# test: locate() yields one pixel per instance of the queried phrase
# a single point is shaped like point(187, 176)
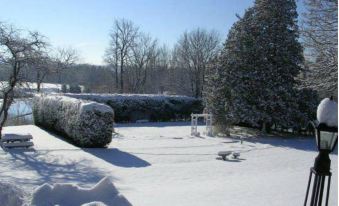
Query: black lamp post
point(326, 138)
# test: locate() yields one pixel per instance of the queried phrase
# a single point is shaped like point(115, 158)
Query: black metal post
point(318, 187)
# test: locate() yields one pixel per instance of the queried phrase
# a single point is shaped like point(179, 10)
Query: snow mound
point(103, 193)
point(11, 195)
point(327, 112)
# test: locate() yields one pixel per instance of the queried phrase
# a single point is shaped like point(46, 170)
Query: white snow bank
point(103, 193)
point(327, 112)
point(11, 195)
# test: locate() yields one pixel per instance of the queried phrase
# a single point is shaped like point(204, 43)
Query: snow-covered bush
point(85, 123)
point(132, 107)
point(74, 88)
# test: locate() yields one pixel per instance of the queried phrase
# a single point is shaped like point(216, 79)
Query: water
point(18, 108)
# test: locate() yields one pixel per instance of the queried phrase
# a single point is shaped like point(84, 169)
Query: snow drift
point(103, 193)
point(11, 195)
point(85, 123)
point(132, 107)
point(327, 112)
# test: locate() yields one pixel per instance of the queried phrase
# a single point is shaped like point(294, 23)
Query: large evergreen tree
point(262, 57)
point(281, 58)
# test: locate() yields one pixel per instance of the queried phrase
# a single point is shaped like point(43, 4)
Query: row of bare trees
point(140, 65)
point(50, 62)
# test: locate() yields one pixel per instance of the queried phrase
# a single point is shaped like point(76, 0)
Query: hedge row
point(132, 107)
point(85, 123)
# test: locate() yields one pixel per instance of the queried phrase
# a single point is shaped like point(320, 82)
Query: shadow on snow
point(306, 144)
point(117, 157)
point(52, 168)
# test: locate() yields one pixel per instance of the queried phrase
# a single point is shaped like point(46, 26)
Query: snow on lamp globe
point(326, 133)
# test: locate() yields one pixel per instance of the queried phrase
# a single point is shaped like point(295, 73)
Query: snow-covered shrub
point(103, 193)
point(132, 107)
point(74, 88)
point(85, 123)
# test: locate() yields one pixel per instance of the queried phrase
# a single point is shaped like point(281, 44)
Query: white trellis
point(194, 124)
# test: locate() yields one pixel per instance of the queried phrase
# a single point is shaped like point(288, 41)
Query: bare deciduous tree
point(123, 37)
point(320, 39)
point(63, 59)
point(194, 51)
point(17, 51)
point(41, 67)
point(142, 60)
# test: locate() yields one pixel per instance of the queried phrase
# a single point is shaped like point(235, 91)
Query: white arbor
point(194, 124)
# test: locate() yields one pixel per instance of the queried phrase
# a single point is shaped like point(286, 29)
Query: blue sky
point(85, 24)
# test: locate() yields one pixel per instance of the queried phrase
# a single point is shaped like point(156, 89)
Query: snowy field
point(161, 164)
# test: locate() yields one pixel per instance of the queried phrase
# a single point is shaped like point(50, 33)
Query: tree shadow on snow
point(117, 157)
point(306, 144)
point(110, 155)
point(51, 168)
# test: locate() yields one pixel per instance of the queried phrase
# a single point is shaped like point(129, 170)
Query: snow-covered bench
point(224, 154)
point(16, 140)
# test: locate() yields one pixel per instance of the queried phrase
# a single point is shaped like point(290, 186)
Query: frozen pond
point(19, 108)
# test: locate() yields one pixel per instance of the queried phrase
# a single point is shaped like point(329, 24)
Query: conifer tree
point(217, 97)
point(261, 58)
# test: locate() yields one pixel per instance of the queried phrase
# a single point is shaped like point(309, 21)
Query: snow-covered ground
point(161, 164)
point(44, 87)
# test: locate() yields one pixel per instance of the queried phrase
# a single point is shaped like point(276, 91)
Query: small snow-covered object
point(236, 155)
point(224, 154)
point(327, 112)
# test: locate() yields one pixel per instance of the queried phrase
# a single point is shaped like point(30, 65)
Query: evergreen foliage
point(74, 88)
point(64, 88)
point(217, 97)
point(133, 107)
point(258, 67)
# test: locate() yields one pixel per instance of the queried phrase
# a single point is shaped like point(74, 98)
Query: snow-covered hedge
point(85, 123)
point(132, 107)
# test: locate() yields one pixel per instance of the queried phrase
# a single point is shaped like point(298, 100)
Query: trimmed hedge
point(85, 123)
point(132, 107)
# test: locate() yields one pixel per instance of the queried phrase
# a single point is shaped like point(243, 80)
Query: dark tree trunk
point(122, 76)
